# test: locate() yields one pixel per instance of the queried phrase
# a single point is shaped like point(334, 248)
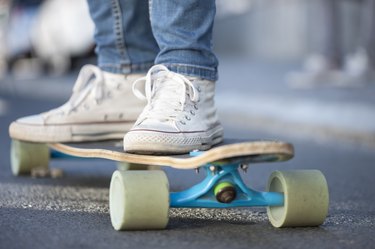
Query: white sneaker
point(180, 115)
point(101, 107)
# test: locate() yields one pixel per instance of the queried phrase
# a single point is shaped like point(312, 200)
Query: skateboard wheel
point(26, 156)
point(306, 198)
point(134, 166)
point(139, 200)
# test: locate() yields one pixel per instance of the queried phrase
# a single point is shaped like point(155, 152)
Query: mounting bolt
point(213, 169)
point(244, 167)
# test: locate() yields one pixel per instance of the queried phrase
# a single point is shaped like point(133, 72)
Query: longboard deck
point(229, 151)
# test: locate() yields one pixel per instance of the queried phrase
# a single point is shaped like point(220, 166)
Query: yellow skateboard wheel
point(139, 200)
point(26, 156)
point(306, 198)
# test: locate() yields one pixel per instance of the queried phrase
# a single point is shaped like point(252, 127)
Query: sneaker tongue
point(167, 103)
point(113, 79)
point(167, 89)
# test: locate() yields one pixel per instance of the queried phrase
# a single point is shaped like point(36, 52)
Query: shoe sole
point(69, 132)
point(156, 143)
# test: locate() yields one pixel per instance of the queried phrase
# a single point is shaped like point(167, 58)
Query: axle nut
point(225, 192)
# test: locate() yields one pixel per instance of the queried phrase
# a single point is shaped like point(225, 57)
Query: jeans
point(133, 35)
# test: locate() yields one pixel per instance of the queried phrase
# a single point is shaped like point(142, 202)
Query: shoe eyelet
point(192, 112)
point(199, 89)
point(182, 122)
point(195, 107)
point(188, 118)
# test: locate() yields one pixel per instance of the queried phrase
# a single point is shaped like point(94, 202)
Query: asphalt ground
point(72, 212)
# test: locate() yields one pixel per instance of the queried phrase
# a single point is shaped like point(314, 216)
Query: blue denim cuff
point(126, 68)
point(206, 73)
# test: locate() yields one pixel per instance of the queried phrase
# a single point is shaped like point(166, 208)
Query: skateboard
point(140, 199)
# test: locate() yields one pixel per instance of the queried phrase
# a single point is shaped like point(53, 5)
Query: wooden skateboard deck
point(230, 150)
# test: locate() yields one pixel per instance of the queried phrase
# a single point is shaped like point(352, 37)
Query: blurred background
point(49, 35)
point(291, 66)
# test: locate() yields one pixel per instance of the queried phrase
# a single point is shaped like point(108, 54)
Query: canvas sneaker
point(180, 115)
point(101, 107)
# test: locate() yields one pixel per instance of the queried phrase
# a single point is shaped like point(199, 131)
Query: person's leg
point(183, 31)
point(324, 64)
point(123, 36)
point(329, 39)
point(360, 66)
point(367, 34)
point(102, 105)
point(180, 115)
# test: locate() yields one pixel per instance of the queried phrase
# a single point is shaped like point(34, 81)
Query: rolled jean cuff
point(126, 68)
point(206, 73)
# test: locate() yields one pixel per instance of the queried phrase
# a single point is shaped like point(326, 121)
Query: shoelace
point(90, 79)
point(166, 93)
